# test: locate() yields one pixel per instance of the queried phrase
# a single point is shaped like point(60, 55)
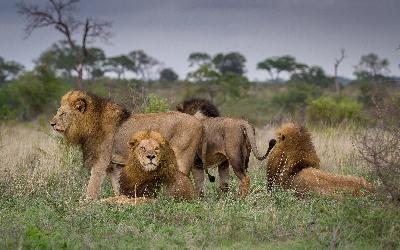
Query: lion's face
point(147, 149)
point(70, 114)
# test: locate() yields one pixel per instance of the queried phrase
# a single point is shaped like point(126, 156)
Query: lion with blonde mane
point(151, 166)
point(293, 163)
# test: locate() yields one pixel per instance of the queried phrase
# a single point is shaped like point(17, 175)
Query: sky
point(313, 31)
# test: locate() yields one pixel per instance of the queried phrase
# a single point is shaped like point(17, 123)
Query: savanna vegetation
point(354, 123)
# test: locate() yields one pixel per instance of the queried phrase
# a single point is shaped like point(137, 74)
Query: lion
point(102, 129)
point(151, 165)
point(228, 141)
point(293, 163)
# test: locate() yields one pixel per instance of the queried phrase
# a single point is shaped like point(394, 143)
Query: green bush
point(330, 111)
point(155, 104)
point(296, 97)
point(32, 94)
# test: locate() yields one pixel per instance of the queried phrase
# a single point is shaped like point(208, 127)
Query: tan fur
point(231, 140)
point(324, 183)
point(102, 128)
point(294, 164)
point(293, 151)
point(137, 181)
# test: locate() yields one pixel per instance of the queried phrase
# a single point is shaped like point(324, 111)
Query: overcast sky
point(313, 31)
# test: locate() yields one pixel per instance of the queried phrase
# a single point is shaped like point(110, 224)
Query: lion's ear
point(80, 105)
point(179, 107)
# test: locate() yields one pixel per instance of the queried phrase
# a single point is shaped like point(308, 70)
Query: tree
point(118, 64)
point(313, 75)
point(275, 65)
point(233, 62)
point(59, 14)
point(199, 59)
point(338, 61)
point(61, 59)
point(9, 70)
point(372, 67)
point(142, 64)
point(168, 75)
point(95, 62)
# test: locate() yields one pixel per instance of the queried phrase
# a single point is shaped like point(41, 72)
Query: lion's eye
point(142, 148)
point(157, 149)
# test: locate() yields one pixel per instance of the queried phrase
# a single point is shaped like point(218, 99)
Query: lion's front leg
point(97, 175)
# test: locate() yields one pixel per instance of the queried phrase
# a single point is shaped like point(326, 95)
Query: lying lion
point(294, 164)
point(151, 166)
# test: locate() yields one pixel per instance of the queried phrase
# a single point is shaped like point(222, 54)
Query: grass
point(42, 181)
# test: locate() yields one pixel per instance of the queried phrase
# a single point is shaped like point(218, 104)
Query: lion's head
point(81, 115)
point(291, 135)
point(147, 147)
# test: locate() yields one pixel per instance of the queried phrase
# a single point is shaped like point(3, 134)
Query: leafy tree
point(168, 75)
point(372, 67)
point(199, 59)
point(275, 65)
point(118, 64)
point(9, 70)
point(314, 75)
point(61, 59)
point(94, 62)
point(142, 64)
point(233, 62)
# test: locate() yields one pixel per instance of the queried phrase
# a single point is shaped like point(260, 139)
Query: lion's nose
point(151, 157)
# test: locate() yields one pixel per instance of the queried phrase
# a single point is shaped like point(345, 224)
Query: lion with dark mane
point(293, 163)
point(228, 141)
point(102, 129)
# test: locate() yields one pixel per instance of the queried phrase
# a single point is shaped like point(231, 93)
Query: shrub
point(379, 146)
point(154, 103)
point(296, 97)
point(330, 111)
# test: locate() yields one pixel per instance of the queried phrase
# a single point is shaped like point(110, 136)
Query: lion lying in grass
point(152, 166)
point(294, 164)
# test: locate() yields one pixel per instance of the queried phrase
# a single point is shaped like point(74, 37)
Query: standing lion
point(151, 166)
point(102, 129)
point(228, 141)
point(293, 163)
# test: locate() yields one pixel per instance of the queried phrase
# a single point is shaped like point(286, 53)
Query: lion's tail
point(250, 134)
point(211, 178)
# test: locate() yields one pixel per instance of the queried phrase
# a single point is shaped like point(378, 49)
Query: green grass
point(52, 219)
point(41, 207)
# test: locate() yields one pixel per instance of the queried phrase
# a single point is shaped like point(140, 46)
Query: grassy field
point(42, 181)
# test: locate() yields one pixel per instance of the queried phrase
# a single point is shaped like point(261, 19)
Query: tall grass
point(42, 180)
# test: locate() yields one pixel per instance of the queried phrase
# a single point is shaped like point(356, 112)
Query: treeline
point(307, 93)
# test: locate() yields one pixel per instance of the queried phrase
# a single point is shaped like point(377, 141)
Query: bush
point(30, 95)
point(155, 104)
point(296, 97)
point(330, 111)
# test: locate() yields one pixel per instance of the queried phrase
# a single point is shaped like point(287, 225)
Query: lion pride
point(102, 129)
